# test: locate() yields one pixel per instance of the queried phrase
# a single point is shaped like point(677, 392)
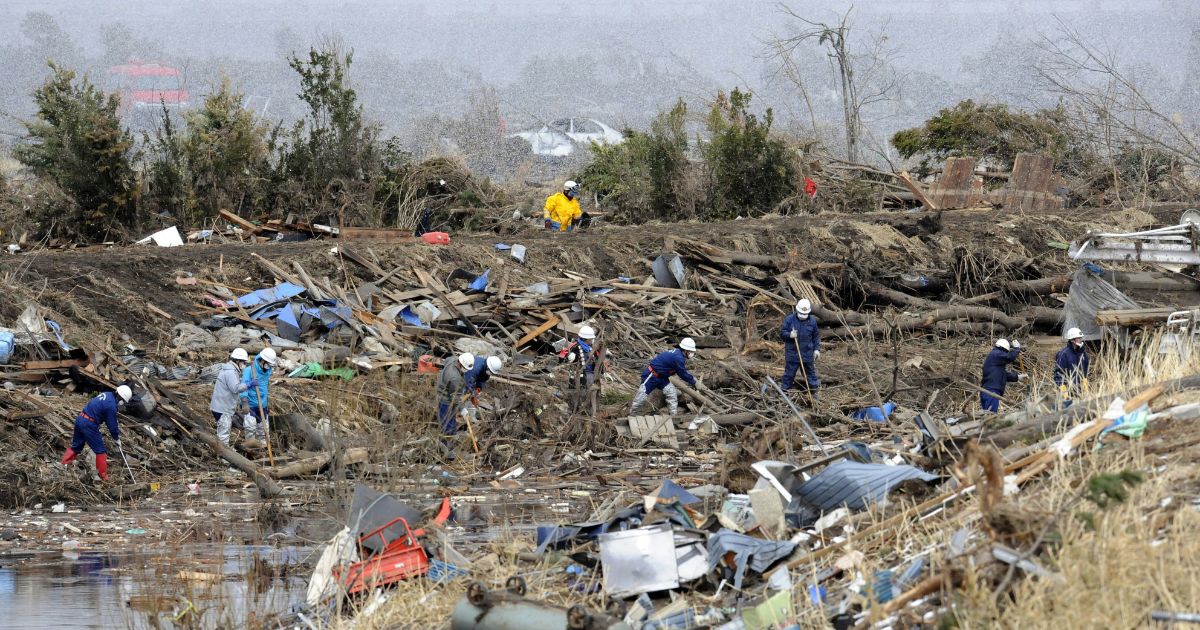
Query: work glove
point(1021, 377)
point(547, 224)
point(793, 334)
point(1085, 385)
point(571, 358)
point(1016, 345)
point(253, 384)
point(1062, 391)
point(816, 354)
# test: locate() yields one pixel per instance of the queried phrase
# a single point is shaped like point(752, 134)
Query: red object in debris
point(400, 559)
point(810, 188)
point(425, 365)
point(436, 238)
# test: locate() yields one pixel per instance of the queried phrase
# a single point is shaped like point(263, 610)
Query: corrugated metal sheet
point(851, 484)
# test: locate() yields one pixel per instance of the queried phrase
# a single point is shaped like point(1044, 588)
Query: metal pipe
point(811, 433)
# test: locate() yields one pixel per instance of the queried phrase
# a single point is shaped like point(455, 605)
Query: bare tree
point(864, 79)
point(1113, 108)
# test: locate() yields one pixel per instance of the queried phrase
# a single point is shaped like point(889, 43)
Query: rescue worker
point(658, 373)
point(477, 377)
point(451, 385)
point(996, 375)
point(584, 349)
point(257, 378)
point(801, 346)
point(101, 410)
point(1071, 366)
point(479, 374)
point(227, 392)
point(562, 209)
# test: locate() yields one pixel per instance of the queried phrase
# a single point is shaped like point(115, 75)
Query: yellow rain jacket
point(561, 210)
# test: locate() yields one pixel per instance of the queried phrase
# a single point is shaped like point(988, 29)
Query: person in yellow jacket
point(562, 209)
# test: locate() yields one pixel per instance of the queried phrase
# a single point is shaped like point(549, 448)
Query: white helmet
point(239, 354)
point(570, 185)
point(688, 344)
point(466, 360)
point(124, 392)
point(494, 364)
point(587, 332)
point(1003, 344)
point(1074, 333)
point(804, 307)
point(267, 355)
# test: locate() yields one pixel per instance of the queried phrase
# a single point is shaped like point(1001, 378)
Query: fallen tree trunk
point(267, 488)
point(734, 419)
point(314, 440)
point(1048, 424)
point(986, 320)
point(942, 311)
point(313, 465)
point(686, 390)
point(1040, 286)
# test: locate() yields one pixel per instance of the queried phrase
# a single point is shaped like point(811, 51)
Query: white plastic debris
point(169, 237)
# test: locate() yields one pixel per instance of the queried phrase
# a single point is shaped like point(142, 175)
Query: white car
point(561, 137)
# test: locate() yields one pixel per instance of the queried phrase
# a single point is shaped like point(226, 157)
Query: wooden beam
point(1138, 316)
point(537, 332)
point(916, 191)
point(377, 235)
point(239, 221)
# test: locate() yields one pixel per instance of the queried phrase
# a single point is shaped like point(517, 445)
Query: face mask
point(802, 315)
point(570, 194)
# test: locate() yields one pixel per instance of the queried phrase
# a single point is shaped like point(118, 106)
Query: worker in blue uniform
point(801, 347)
point(658, 373)
point(100, 411)
point(996, 375)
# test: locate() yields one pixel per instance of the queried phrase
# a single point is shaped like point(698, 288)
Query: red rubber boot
point(69, 456)
point(102, 466)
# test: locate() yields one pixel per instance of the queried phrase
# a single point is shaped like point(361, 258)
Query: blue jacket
point(807, 335)
point(996, 374)
point(478, 375)
point(1070, 365)
point(103, 410)
point(668, 364)
point(255, 394)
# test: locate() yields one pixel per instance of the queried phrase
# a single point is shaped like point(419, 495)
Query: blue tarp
point(276, 293)
point(875, 414)
point(480, 282)
point(411, 318)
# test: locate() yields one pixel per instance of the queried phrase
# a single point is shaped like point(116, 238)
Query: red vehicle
point(147, 85)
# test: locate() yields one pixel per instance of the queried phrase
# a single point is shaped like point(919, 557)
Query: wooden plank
point(377, 235)
point(51, 365)
point(239, 221)
point(1137, 316)
point(955, 187)
point(537, 332)
point(916, 191)
point(660, 429)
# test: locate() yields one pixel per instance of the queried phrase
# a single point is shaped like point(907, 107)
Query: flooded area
point(198, 585)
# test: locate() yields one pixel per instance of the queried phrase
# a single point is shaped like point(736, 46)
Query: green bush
point(986, 131)
point(79, 145)
point(643, 177)
point(329, 160)
point(751, 171)
point(221, 160)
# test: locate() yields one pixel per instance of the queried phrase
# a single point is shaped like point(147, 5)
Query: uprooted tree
point(80, 146)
